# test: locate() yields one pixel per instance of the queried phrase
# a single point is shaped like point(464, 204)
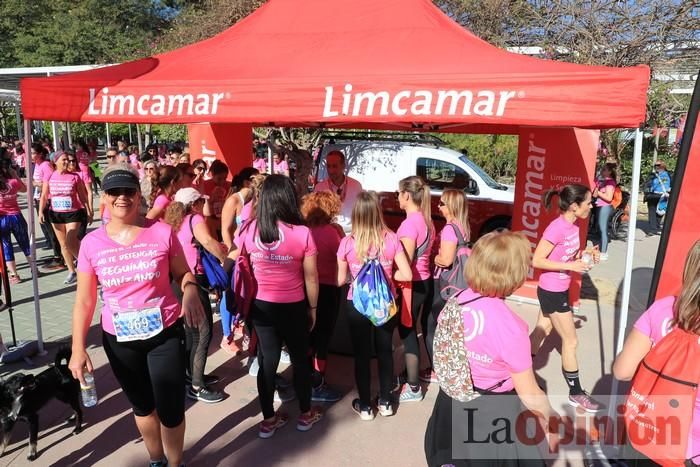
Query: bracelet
point(189, 283)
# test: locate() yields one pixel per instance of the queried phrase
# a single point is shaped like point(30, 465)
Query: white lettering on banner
point(104, 103)
point(532, 205)
point(486, 103)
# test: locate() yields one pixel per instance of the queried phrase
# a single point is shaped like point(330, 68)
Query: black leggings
point(326, 316)
point(151, 373)
point(361, 330)
point(49, 234)
point(197, 340)
point(275, 323)
point(421, 298)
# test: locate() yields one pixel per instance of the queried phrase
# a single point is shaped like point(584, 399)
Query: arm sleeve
point(408, 230)
point(447, 234)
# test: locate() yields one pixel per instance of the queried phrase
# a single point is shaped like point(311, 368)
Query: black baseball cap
point(120, 179)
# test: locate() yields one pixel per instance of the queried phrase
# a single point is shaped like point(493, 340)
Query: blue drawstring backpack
point(216, 275)
point(372, 295)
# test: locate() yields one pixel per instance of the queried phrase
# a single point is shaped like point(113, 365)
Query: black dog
point(22, 396)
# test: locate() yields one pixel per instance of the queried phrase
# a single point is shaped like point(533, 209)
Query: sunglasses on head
point(128, 192)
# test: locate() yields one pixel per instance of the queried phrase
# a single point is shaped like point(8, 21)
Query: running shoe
point(323, 393)
point(267, 429)
point(205, 394)
point(71, 278)
point(385, 408)
point(54, 265)
point(161, 463)
point(282, 395)
point(428, 376)
point(306, 421)
point(365, 412)
point(603, 256)
point(408, 395)
point(253, 366)
point(284, 357)
point(586, 403)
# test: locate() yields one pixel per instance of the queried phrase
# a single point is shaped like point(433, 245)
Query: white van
point(379, 165)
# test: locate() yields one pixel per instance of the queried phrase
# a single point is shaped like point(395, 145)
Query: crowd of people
point(161, 216)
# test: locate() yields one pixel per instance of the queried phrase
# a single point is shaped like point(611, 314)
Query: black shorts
point(553, 302)
point(151, 373)
point(67, 217)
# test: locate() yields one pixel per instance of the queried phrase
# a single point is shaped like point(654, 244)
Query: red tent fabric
point(394, 64)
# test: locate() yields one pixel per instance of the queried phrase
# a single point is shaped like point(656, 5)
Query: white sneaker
point(603, 256)
point(71, 278)
point(284, 357)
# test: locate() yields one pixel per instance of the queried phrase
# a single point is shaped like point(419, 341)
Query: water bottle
point(587, 259)
point(88, 393)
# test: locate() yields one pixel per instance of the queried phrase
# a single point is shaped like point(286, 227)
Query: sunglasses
point(441, 203)
point(72, 161)
point(111, 157)
point(200, 167)
point(116, 192)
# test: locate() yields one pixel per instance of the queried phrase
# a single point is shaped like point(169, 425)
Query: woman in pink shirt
point(417, 234)
point(604, 192)
point(86, 177)
point(279, 164)
point(371, 238)
point(664, 315)
point(41, 171)
point(495, 348)
point(558, 254)
point(184, 215)
point(11, 219)
point(320, 210)
point(135, 261)
point(167, 184)
point(64, 193)
point(283, 257)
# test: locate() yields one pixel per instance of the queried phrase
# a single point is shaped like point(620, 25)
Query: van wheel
point(496, 224)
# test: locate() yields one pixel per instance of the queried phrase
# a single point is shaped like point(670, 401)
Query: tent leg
point(131, 136)
point(108, 144)
point(32, 236)
point(627, 279)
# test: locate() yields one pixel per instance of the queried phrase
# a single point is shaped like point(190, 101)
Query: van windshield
point(484, 176)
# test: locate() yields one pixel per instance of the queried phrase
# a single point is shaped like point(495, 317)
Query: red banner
point(231, 143)
point(550, 158)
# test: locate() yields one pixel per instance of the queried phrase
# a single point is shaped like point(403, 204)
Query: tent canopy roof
point(394, 64)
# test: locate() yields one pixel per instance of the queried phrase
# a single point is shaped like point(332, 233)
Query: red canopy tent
point(389, 64)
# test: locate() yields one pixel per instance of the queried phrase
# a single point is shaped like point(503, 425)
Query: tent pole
point(138, 136)
point(131, 136)
point(54, 129)
point(32, 236)
point(627, 278)
point(108, 144)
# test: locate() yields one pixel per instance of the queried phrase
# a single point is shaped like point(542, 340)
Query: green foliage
point(66, 32)
point(496, 154)
point(170, 133)
point(666, 153)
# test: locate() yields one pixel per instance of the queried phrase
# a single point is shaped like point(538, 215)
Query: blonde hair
point(498, 264)
point(174, 215)
point(368, 225)
point(458, 205)
point(686, 309)
point(420, 195)
point(320, 208)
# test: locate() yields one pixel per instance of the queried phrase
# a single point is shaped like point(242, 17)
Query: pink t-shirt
point(246, 212)
point(280, 168)
point(161, 202)
point(392, 245)
point(217, 196)
point(602, 183)
point(260, 164)
point(414, 228)
point(8, 198)
point(63, 191)
point(133, 277)
point(185, 236)
point(42, 172)
point(496, 339)
point(565, 238)
point(655, 323)
point(278, 266)
point(327, 239)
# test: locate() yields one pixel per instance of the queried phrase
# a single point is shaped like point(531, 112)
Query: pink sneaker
point(586, 403)
point(267, 429)
point(229, 346)
point(306, 421)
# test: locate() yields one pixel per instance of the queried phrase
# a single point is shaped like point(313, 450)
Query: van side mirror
point(472, 187)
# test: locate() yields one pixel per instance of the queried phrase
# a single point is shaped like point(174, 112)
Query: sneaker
point(284, 357)
point(586, 403)
point(428, 376)
point(229, 346)
point(306, 421)
point(54, 265)
point(205, 394)
point(209, 380)
point(365, 413)
point(267, 429)
point(284, 396)
point(408, 395)
point(71, 278)
point(281, 382)
point(603, 256)
point(161, 463)
point(385, 408)
point(323, 393)
point(253, 366)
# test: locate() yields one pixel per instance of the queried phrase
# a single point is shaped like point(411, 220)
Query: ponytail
point(420, 195)
point(568, 195)
point(547, 197)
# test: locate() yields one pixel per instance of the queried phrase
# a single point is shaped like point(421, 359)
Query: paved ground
point(225, 433)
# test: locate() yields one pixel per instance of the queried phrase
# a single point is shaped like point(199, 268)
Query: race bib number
point(61, 203)
point(137, 325)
